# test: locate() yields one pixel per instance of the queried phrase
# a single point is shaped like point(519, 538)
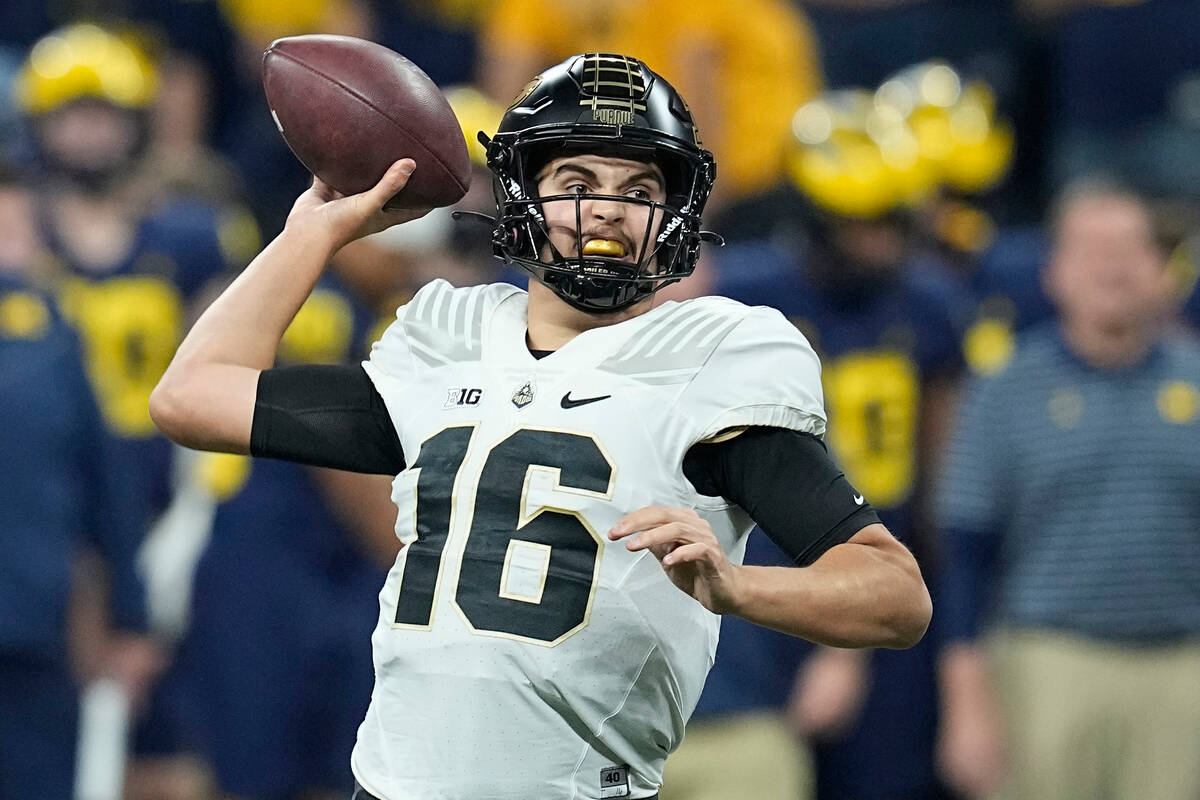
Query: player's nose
point(611, 211)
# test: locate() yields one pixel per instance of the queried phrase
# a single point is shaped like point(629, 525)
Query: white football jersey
point(519, 653)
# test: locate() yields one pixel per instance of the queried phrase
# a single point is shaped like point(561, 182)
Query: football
point(349, 108)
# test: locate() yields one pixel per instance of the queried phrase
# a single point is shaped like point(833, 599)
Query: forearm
point(867, 592)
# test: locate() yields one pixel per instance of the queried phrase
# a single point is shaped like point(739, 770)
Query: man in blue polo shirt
point(1071, 513)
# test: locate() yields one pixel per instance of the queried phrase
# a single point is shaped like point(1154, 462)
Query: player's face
point(1106, 270)
point(90, 135)
point(609, 226)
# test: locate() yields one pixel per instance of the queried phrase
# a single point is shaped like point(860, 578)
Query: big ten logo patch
point(457, 398)
point(614, 782)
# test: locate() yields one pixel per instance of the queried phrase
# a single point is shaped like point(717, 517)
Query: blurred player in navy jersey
point(885, 327)
point(576, 467)
point(124, 269)
point(64, 488)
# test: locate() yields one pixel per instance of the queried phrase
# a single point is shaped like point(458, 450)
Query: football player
point(577, 466)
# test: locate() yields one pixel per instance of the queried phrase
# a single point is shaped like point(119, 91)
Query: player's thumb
point(394, 180)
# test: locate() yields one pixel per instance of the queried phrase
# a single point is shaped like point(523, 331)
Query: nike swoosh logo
point(859, 499)
point(568, 402)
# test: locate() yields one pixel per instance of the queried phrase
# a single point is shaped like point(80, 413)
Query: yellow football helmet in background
point(86, 61)
point(864, 154)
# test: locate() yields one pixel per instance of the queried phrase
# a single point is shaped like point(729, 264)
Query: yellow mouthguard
point(604, 247)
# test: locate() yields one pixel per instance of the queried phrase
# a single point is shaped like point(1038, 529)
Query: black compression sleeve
point(324, 416)
point(788, 483)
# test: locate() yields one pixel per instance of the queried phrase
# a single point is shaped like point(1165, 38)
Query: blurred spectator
point(738, 743)
point(885, 330)
point(125, 264)
point(746, 65)
point(274, 673)
point(179, 163)
point(64, 488)
point(1070, 509)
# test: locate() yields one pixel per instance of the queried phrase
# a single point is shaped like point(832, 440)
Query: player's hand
point(348, 217)
point(688, 550)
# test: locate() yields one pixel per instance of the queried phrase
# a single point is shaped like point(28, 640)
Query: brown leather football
point(349, 108)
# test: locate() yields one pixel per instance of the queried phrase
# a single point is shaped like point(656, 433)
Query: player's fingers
point(689, 553)
point(649, 517)
point(678, 533)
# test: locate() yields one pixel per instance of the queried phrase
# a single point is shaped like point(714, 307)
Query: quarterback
point(576, 466)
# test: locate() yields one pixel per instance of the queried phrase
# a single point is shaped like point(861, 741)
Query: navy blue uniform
point(61, 486)
point(275, 672)
point(130, 317)
point(879, 344)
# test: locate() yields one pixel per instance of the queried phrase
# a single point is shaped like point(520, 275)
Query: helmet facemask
point(664, 251)
point(610, 106)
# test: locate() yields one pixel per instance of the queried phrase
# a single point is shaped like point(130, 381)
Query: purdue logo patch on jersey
point(614, 781)
point(523, 396)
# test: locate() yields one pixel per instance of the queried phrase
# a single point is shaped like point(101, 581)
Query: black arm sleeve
point(788, 483)
point(324, 416)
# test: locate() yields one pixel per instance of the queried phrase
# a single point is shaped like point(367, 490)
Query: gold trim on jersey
point(726, 435)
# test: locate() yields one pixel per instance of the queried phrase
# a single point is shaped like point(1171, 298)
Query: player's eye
point(639, 193)
point(577, 188)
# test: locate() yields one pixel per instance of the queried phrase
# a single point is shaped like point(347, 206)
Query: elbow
point(166, 408)
point(910, 618)
point(170, 409)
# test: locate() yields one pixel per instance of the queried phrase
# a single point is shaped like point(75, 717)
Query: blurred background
point(898, 177)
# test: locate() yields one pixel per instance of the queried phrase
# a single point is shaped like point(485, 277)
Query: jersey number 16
point(560, 540)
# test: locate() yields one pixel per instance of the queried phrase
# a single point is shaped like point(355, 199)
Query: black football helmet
point(604, 104)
